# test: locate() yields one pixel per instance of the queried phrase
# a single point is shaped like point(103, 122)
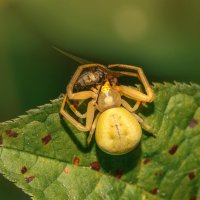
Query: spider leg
point(132, 93)
point(129, 108)
point(127, 105)
point(93, 128)
point(144, 125)
point(70, 94)
point(74, 110)
point(89, 116)
point(128, 74)
point(135, 94)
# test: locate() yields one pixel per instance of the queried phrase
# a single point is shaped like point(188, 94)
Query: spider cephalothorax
point(117, 126)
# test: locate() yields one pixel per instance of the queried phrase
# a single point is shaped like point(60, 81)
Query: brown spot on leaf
point(29, 179)
point(193, 198)
point(193, 123)
point(46, 139)
point(154, 191)
point(11, 133)
point(191, 175)
point(146, 161)
point(23, 170)
point(118, 173)
point(95, 165)
point(76, 160)
point(173, 149)
point(1, 140)
point(66, 170)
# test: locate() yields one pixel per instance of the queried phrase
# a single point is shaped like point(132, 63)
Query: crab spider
point(118, 129)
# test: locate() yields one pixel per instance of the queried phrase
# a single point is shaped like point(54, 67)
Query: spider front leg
point(89, 116)
point(93, 128)
point(135, 94)
point(127, 105)
point(130, 92)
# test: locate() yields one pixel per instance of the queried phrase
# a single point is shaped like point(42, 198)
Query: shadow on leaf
point(82, 146)
point(118, 165)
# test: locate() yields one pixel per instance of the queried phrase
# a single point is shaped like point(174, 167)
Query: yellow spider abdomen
point(117, 131)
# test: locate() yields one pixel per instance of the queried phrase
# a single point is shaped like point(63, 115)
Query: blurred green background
point(161, 36)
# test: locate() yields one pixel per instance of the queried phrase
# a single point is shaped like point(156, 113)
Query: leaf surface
point(49, 159)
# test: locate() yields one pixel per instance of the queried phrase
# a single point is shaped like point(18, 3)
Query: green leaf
point(48, 158)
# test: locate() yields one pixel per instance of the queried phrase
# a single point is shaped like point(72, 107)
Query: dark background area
point(161, 36)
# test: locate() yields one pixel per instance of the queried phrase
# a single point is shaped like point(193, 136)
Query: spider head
point(108, 97)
